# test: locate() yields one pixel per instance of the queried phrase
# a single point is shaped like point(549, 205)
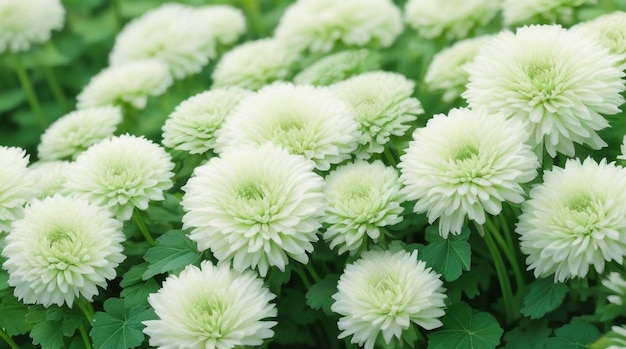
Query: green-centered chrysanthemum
point(575, 219)
point(49, 178)
point(362, 199)
point(536, 11)
point(310, 121)
point(464, 164)
point(610, 31)
point(27, 22)
point(385, 293)
point(337, 67)
point(193, 125)
point(558, 82)
point(122, 173)
point(15, 185)
point(382, 105)
point(73, 133)
point(211, 307)
point(616, 284)
point(255, 206)
point(63, 248)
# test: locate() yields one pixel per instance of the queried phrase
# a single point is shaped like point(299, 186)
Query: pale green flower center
point(209, 316)
point(465, 152)
point(251, 192)
point(542, 75)
point(386, 291)
point(62, 253)
point(581, 203)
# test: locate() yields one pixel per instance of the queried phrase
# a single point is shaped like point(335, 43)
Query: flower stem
point(303, 277)
point(86, 308)
point(389, 158)
point(141, 224)
point(30, 92)
point(83, 333)
point(53, 83)
point(508, 249)
point(251, 8)
point(8, 339)
point(313, 273)
point(503, 277)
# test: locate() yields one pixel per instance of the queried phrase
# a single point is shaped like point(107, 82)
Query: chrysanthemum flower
point(49, 178)
point(531, 11)
point(557, 82)
point(452, 19)
point(616, 338)
point(610, 31)
point(254, 64)
point(192, 126)
point(129, 83)
point(464, 164)
point(337, 67)
point(255, 206)
point(306, 120)
point(122, 173)
point(384, 293)
point(211, 307)
point(447, 71)
point(23, 23)
point(575, 219)
point(15, 185)
point(73, 133)
point(362, 198)
point(616, 283)
point(62, 249)
point(622, 156)
point(319, 25)
point(182, 36)
point(382, 105)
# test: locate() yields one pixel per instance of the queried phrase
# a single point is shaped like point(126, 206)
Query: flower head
point(382, 105)
point(575, 219)
point(616, 283)
point(384, 292)
point(558, 82)
point(50, 177)
point(73, 133)
point(362, 198)
point(610, 31)
point(255, 206)
point(616, 338)
point(254, 64)
point(622, 156)
point(62, 249)
point(452, 19)
point(211, 307)
point(23, 23)
point(337, 67)
point(129, 83)
point(193, 125)
point(122, 173)
point(15, 185)
point(224, 23)
point(533, 11)
point(319, 25)
point(306, 120)
point(464, 164)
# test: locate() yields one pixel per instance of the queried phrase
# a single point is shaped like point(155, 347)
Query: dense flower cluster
point(23, 23)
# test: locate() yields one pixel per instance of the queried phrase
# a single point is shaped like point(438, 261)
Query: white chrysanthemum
point(318, 25)
point(211, 307)
point(558, 82)
point(306, 120)
point(62, 249)
point(622, 156)
point(254, 64)
point(362, 198)
point(122, 173)
point(527, 11)
point(447, 71)
point(225, 23)
point(179, 35)
point(616, 338)
point(617, 284)
point(255, 206)
point(575, 219)
point(610, 31)
point(384, 292)
point(337, 67)
point(382, 105)
point(131, 83)
point(50, 177)
point(452, 19)
point(23, 23)
point(192, 126)
point(15, 185)
point(464, 164)
point(73, 133)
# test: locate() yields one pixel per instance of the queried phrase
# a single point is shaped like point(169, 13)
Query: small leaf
point(319, 296)
point(173, 251)
point(119, 327)
point(544, 296)
point(133, 275)
point(464, 328)
point(48, 333)
point(449, 257)
point(137, 294)
point(578, 334)
point(471, 282)
point(532, 336)
point(13, 318)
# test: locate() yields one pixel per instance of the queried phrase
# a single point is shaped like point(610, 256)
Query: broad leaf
point(449, 257)
point(173, 251)
point(119, 327)
point(464, 328)
point(544, 296)
point(13, 314)
point(578, 334)
point(319, 296)
point(531, 336)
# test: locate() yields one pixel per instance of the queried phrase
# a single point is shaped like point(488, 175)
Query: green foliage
point(173, 251)
point(319, 296)
point(13, 314)
point(450, 256)
point(544, 296)
point(578, 334)
point(119, 326)
point(53, 325)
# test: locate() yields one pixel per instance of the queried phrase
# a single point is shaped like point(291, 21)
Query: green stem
point(83, 333)
point(141, 224)
point(503, 277)
point(390, 160)
point(313, 273)
point(251, 8)
point(303, 277)
point(508, 249)
point(86, 308)
point(8, 339)
point(53, 83)
point(30, 92)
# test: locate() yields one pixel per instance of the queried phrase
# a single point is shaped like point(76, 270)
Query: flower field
point(312, 174)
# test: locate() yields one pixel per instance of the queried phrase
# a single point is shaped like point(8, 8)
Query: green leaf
point(464, 328)
point(319, 296)
point(544, 296)
point(119, 327)
point(13, 314)
point(68, 319)
point(532, 336)
point(471, 282)
point(137, 294)
point(133, 275)
point(48, 333)
point(11, 99)
point(577, 334)
point(173, 251)
point(449, 257)
point(53, 325)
